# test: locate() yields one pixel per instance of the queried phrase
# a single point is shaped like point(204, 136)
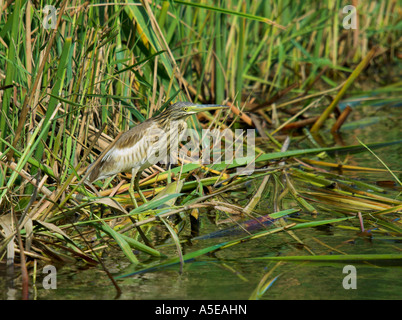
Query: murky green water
point(216, 280)
point(233, 274)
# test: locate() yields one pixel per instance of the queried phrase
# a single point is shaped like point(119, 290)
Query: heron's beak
point(205, 107)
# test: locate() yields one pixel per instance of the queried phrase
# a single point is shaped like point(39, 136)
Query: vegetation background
point(74, 78)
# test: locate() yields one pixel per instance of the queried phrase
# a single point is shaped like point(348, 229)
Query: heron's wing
point(141, 146)
point(126, 153)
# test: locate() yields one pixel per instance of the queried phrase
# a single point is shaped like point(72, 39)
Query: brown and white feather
point(134, 147)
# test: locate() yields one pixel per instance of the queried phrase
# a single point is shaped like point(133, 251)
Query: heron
point(135, 149)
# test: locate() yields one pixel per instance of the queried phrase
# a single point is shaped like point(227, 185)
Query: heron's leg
point(137, 187)
point(131, 189)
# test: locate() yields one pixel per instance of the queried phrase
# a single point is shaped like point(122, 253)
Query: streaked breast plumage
point(140, 147)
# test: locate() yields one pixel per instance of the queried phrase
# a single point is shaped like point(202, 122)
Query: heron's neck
point(166, 123)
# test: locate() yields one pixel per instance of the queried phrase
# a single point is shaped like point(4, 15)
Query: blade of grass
point(382, 162)
point(176, 242)
point(231, 12)
point(362, 65)
point(336, 258)
point(121, 241)
point(10, 72)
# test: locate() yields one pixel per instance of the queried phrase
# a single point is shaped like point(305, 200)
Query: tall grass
point(67, 92)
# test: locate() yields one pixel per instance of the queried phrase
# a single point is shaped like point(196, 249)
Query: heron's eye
point(186, 109)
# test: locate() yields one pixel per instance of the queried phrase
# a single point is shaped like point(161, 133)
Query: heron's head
point(182, 110)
